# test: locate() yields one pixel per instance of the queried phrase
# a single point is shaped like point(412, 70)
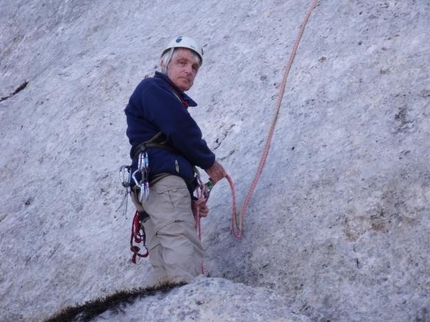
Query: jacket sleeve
point(164, 109)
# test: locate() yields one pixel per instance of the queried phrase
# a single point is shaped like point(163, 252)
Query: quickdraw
point(137, 236)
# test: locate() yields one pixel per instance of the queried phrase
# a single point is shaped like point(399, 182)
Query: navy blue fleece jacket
point(158, 105)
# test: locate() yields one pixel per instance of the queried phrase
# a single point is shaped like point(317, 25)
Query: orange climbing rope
point(237, 221)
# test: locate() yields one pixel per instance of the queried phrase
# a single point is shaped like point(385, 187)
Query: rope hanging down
point(237, 220)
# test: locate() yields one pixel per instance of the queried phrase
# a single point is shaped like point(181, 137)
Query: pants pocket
point(169, 201)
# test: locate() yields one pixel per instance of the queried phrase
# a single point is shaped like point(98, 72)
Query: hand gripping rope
point(237, 219)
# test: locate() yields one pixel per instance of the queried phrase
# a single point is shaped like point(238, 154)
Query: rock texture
point(339, 223)
point(209, 299)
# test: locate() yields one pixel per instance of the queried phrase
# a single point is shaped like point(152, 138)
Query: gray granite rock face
point(210, 299)
point(338, 225)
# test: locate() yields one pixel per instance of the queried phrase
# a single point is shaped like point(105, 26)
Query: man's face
point(183, 68)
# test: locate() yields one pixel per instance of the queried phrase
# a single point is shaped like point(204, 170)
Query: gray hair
point(168, 55)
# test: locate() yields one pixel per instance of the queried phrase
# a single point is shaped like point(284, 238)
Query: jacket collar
point(184, 96)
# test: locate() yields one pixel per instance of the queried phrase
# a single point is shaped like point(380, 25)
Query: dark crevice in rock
point(115, 303)
point(19, 89)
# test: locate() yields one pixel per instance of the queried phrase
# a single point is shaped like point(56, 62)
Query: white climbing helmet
point(185, 42)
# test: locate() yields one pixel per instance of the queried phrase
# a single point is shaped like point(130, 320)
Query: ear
point(163, 67)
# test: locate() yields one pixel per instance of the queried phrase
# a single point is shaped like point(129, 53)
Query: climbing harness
point(141, 153)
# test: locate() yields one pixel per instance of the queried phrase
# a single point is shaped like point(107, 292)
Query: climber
point(166, 146)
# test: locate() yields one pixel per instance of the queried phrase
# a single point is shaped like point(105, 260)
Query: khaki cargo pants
point(175, 251)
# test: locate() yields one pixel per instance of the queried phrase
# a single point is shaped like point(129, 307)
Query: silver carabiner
point(125, 176)
point(143, 168)
point(143, 162)
point(137, 182)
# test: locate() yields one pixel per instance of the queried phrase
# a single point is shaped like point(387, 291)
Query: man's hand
point(200, 207)
point(216, 172)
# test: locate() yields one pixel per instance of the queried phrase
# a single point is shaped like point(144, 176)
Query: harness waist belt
point(158, 141)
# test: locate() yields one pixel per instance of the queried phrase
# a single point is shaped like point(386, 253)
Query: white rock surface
point(339, 224)
point(209, 299)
